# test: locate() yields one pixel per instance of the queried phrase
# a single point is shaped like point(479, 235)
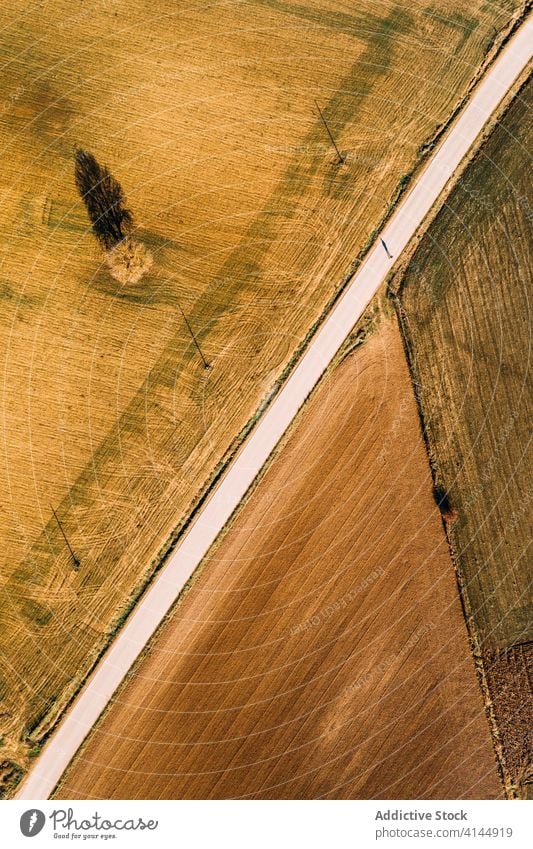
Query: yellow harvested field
point(322, 650)
point(206, 116)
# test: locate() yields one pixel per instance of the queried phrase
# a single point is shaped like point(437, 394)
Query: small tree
point(112, 223)
point(443, 502)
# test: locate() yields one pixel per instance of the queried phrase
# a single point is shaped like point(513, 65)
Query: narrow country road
point(164, 590)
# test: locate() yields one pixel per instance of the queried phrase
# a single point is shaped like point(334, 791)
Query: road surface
point(164, 590)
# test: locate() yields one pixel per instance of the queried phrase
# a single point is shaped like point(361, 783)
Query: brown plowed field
point(322, 651)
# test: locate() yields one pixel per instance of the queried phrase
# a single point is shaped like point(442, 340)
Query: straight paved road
point(148, 614)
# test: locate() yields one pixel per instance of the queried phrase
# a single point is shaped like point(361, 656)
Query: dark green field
point(466, 309)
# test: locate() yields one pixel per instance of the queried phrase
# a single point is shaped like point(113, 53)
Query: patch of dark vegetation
point(4, 690)
point(104, 198)
point(11, 775)
point(42, 709)
point(128, 260)
point(75, 495)
point(8, 293)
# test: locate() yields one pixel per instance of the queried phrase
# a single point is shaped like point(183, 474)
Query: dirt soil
point(322, 649)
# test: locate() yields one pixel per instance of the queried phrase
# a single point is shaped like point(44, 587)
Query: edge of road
point(189, 551)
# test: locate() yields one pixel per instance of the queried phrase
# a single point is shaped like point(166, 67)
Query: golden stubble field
point(206, 116)
point(322, 651)
point(466, 314)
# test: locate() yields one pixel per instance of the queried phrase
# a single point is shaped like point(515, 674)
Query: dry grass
point(206, 117)
point(466, 307)
point(322, 651)
point(129, 261)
